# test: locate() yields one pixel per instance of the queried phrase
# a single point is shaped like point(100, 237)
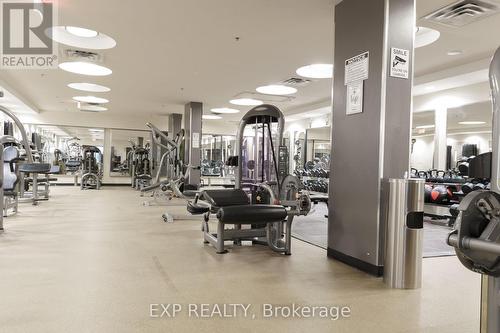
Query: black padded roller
point(226, 197)
point(247, 214)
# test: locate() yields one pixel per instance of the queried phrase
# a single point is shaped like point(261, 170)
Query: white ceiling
point(170, 52)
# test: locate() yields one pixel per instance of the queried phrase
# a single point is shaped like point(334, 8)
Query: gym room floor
point(94, 261)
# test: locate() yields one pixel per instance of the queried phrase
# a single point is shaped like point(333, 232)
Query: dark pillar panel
point(373, 145)
point(193, 113)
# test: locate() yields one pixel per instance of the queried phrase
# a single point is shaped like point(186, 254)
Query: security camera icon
point(397, 60)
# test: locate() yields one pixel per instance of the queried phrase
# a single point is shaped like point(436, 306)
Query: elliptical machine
point(91, 170)
point(476, 234)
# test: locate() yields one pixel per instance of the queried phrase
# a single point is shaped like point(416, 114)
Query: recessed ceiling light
point(85, 68)
point(425, 126)
point(80, 37)
point(81, 32)
point(276, 89)
point(471, 122)
point(90, 99)
point(89, 87)
point(246, 101)
point(211, 117)
point(92, 108)
point(224, 110)
point(454, 52)
point(316, 71)
point(425, 36)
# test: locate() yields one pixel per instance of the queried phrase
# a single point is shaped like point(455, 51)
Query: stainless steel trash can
point(404, 236)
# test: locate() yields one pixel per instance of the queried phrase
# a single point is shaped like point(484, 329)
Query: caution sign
point(400, 63)
point(356, 68)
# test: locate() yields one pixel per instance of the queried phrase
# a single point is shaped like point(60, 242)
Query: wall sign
point(400, 63)
point(196, 140)
point(356, 68)
point(354, 98)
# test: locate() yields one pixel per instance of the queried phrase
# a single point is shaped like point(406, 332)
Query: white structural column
point(440, 133)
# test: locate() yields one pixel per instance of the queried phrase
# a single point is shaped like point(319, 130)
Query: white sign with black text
point(356, 68)
point(354, 98)
point(196, 140)
point(400, 63)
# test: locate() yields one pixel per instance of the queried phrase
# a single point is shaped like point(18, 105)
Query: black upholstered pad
point(35, 167)
point(73, 164)
point(247, 214)
point(190, 193)
point(197, 208)
point(226, 197)
point(143, 177)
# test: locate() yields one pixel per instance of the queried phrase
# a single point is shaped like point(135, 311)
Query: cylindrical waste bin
point(404, 237)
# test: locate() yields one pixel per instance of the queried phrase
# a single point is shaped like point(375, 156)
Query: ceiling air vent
point(79, 54)
point(463, 12)
point(295, 81)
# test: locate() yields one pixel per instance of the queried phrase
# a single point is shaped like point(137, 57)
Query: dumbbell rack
point(309, 178)
point(443, 210)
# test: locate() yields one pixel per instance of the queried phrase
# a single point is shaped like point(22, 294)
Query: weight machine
point(266, 198)
point(476, 234)
point(91, 168)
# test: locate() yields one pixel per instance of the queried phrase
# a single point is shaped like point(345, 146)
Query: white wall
point(423, 149)
point(423, 153)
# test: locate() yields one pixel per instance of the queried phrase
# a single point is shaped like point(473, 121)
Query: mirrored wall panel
point(64, 145)
point(123, 144)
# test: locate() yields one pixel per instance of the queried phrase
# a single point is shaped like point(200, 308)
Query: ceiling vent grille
point(83, 55)
point(463, 12)
point(295, 81)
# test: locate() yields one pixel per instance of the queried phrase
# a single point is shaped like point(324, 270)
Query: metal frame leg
point(220, 239)
point(35, 189)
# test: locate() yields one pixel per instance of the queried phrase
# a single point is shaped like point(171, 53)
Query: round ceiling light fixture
point(246, 101)
point(316, 71)
point(80, 37)
point(224, 110)
point(90, 99)
point(425, 36)
point(81, 32)
point(276, 89)
point(91, 87)
point(210, 117)
point(85, 68)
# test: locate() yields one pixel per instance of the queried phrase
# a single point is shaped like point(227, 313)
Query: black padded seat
point(247, 214)
point(73, 164)
point(226, 197)
point(143, 177)
point(35, 167)
point(197, 208)
point(190, 193)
